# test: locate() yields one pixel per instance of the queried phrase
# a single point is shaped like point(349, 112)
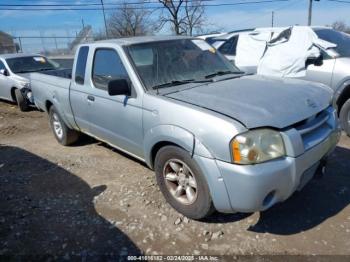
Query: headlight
point(257, 146)
point(24, 84)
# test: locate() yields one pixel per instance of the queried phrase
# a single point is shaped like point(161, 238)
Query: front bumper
point(251, 188)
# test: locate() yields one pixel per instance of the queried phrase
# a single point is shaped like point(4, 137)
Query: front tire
point(182, 183)
point(344, 117)
point(21, 101)
point(63, 134)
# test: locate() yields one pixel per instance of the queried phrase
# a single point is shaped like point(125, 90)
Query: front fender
point(167, 133)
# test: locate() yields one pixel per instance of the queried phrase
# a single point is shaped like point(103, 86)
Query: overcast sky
point(228, 18)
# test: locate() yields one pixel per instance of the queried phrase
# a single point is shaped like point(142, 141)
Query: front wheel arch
point(13, 94)
point(162, 135)
point(343, 97)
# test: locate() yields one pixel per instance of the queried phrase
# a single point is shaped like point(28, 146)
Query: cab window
point(81, 65)
point(107, 66)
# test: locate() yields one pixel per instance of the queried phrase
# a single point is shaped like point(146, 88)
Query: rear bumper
point(250, 188)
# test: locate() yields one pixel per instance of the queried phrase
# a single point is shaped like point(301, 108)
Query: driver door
point(114, 119)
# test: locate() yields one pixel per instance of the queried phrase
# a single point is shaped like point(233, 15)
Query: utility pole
point(55, 42)
point(272, 18)
point(104, 18)
point(82, 22)
point(310, 12)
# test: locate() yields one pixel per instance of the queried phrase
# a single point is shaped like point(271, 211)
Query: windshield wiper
point(221, 73)
point(180, 82)
point(32, 71)
point(45, 69)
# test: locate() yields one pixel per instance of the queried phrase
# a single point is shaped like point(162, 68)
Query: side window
point(81, 65)
point(229, 47)
point(325, 56)
point(106, 67)
point(226, 47)
point(2, 66)
point(234, 45)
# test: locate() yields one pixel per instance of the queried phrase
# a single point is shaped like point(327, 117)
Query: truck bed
point(64, 73)
point(52, 85)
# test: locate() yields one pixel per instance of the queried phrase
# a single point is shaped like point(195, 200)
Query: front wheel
point(21, 101)
point(345, 117)
point(63, 134)
point(182, 182)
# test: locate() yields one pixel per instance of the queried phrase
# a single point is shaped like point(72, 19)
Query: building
point(7, 45)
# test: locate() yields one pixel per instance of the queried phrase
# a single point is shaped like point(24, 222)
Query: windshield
point(342, 40)
point(30, 64)
point(160, 63)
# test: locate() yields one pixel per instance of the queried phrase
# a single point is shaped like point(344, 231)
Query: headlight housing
point(24, 84)
point(257, 146)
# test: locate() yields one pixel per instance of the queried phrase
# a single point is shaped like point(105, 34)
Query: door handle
point(91, 98)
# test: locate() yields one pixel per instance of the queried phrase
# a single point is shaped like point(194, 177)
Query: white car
point(14, 72)
point(331, 68)
point(210, 38)
point(227, 43)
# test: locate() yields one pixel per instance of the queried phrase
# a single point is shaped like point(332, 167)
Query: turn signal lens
point(257, 146)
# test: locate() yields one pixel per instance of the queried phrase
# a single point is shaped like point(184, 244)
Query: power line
point(340, 1)
point(95, 3)
point(291, 3)
point(89, 4)
point(134, 7)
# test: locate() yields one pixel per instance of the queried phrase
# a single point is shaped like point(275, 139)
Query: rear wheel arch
point(48, 105)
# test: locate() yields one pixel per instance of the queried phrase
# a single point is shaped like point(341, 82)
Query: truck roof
point(142, 39)
point(15, 55)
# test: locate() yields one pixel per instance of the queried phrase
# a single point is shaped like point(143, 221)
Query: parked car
point(333, 69)
point(227, 43)
point(14, 81)
point(63, 61)
point(216, 138)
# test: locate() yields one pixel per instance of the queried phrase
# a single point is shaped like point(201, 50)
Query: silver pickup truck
point(216, 138)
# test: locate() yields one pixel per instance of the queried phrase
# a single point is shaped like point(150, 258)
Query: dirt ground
point(90, 199)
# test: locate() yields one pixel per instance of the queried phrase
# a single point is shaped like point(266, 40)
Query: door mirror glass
point(119, 87)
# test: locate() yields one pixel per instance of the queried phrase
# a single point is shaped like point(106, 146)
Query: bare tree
point(341, 26)
point(130, 20)
point(194, 17)
point(185, 16)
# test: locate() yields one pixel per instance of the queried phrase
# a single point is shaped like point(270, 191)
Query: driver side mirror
point(4, 72)
point(317, 61)
point(119, 87)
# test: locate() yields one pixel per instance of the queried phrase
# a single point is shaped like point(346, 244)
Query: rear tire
point(193, 199)
point(63, 134)
point(344, 117)
point(21, 101)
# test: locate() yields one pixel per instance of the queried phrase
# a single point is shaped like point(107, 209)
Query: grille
point(316, 128)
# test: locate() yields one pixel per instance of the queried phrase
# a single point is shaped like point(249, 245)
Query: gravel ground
point(90, 199)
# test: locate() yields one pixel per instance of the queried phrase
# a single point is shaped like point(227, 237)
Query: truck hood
point(258, 101)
